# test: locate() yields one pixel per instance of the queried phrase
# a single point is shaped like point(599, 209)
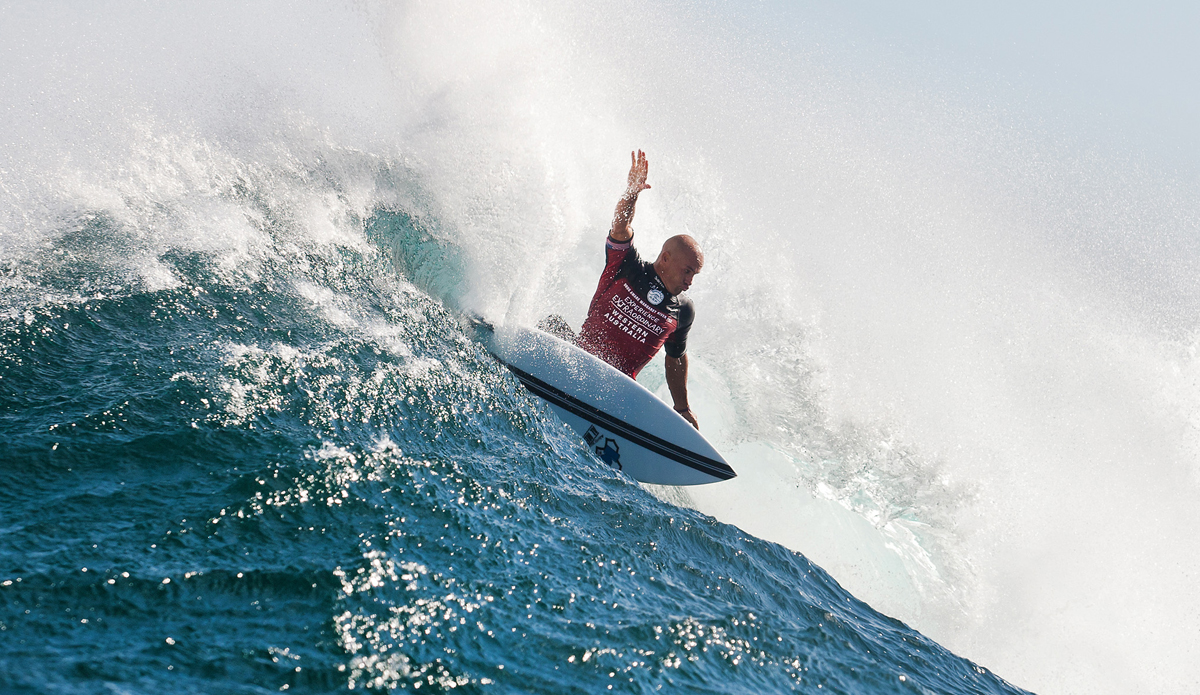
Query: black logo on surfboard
point(606, 448)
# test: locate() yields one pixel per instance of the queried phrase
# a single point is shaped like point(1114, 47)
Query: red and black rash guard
point(632, 315)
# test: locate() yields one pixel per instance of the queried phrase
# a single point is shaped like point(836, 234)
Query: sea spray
point(956, 348)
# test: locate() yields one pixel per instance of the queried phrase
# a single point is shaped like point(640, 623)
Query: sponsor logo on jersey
point(655, 296)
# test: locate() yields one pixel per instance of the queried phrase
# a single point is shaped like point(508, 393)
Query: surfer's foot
point(556, 326)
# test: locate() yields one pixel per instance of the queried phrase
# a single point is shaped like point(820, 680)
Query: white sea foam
point(953, 354)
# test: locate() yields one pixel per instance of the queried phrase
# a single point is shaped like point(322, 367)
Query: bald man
point(638, 306)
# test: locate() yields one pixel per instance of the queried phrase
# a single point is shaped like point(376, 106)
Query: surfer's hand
point(690, 417)
point(639, 169)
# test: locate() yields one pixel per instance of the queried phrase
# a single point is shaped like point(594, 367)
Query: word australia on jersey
point(632, 315)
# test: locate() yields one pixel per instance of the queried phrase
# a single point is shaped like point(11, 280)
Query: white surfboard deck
point(627, 427)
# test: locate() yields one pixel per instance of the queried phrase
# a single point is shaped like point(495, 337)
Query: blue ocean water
point(246, 443)
point(217, 487)
point(314, 480)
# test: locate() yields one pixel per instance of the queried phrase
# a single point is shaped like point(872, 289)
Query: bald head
point(678, 262)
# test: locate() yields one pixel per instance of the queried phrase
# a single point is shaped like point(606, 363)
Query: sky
point(1126, 74)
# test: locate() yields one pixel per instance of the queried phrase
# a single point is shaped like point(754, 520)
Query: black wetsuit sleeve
point(631, 261)
point(676, 344)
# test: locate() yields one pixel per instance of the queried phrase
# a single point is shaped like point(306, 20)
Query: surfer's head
point(678, 262)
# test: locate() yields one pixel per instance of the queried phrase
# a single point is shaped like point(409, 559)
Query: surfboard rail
point(631, 428)
point(716, 468)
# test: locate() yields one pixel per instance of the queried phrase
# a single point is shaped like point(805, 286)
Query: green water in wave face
point(311, 479)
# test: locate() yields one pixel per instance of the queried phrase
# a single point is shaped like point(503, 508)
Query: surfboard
point(627, 426)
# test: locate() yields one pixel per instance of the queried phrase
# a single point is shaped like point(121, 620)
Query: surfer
point(640, 307)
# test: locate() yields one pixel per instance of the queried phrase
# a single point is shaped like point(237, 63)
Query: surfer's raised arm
point(638, 170)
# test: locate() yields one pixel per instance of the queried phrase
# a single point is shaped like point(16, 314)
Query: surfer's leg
point(556, 326)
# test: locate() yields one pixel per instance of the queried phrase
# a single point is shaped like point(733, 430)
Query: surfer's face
point(678, 268)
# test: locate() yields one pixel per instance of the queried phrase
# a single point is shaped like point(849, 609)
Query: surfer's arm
point(677, 374)
point(638, 171)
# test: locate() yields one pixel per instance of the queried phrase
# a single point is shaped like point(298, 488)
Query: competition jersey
point(632, 315)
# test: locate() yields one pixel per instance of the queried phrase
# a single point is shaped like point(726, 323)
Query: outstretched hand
point(638, 170)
